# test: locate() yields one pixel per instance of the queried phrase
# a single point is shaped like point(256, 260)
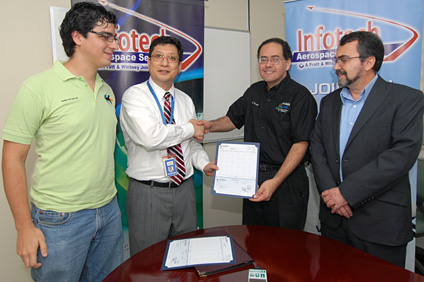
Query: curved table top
point(286, 255)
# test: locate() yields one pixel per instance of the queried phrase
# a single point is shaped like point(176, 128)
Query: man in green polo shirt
point(73, 228)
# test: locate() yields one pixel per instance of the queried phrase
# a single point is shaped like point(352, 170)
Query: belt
point(266, 167)
point(160, 184)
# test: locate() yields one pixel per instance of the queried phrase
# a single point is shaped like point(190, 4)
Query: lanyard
point(160, 107)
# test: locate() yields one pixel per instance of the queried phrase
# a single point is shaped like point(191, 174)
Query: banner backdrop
point(315, 27)
point(139, 23)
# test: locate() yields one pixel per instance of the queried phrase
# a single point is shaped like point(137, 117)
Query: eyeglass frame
point(159, 58)
point(342, 60)
point(109, 37)
point(270, 60)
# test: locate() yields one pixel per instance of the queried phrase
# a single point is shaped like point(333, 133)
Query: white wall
point(266, 21)
point(25, 50)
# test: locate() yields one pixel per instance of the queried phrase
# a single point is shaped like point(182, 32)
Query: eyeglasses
point(274, 60)
point(159, 58)
point(109, 37)
point(343, 60)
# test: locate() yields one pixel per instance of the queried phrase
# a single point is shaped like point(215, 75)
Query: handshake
point(201, 127)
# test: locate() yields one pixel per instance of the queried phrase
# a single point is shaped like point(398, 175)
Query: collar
point(346, 95)
point(160, 93)
point(282, 83)
point(64, 74)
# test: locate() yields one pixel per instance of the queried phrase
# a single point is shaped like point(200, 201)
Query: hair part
point(287, 53)
point(83, 17)
point(162, 40)
point(369, 45)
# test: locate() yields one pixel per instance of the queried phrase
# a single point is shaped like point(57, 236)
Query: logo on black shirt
point(283, 107)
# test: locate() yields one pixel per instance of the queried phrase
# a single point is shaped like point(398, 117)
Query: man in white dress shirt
point(161, 201)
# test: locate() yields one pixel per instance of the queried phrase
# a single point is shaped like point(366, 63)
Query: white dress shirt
point(146, 137)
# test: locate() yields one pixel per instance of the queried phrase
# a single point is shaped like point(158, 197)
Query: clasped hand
point(199, 130)
point(336, 202)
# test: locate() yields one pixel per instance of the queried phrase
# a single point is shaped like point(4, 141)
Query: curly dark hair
point(83, 17)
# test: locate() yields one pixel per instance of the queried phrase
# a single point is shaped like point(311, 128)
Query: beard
point(347, 81)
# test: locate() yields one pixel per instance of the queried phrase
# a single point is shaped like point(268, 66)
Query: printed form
point(195, 251)
point(238, 169)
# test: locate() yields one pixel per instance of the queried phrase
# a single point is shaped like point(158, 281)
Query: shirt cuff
point(202, 163)
point(188, 130)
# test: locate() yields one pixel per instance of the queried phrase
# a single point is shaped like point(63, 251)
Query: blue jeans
point(82, 246)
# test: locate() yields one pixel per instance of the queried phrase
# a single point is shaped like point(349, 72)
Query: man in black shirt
point(279, 113)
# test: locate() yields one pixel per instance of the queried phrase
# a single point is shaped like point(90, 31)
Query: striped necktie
point(176, 149)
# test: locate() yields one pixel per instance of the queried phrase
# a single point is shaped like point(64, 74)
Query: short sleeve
point(24, 117)
point(303, 115)
point(237, 111)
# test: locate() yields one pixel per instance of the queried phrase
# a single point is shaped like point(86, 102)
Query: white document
point(238, 169)
point(195, 251)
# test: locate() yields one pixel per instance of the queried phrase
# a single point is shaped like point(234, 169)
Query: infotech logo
point(318, 48)
point(134, 46)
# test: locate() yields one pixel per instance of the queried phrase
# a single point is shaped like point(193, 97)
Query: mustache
point(340, 72)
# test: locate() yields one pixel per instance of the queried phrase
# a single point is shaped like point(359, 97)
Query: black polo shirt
point(276, 119)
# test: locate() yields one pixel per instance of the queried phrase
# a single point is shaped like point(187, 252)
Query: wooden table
point(286, 255)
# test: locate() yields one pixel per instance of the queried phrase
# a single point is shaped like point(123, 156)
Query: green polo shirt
point(74, 131)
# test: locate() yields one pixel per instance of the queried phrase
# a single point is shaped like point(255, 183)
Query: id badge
point(169, 165)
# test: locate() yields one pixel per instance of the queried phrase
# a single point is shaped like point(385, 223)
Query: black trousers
point(393, 254)
point(287, 206)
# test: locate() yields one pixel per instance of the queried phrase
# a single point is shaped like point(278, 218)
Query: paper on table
point(195, 251)
point(238, 169)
